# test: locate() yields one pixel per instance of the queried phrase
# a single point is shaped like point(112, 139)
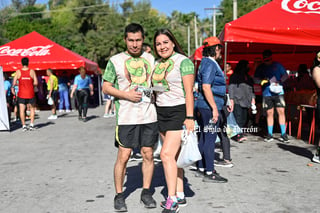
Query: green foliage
point(94, 28)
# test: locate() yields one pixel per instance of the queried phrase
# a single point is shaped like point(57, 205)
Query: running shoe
point(119, 203)
point(269, 138)
point(147, 200)
point(316, 157)
point(284, 138)
point(214, 178)
point(199, 173)
point(24, 128)
point(136, 157)
point(157, 158)
point(31, 127)
point(223, 163)
point(171, 206)
point(52, 117)
point(181, 202)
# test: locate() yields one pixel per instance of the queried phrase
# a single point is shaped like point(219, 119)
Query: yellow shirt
point(54, 79)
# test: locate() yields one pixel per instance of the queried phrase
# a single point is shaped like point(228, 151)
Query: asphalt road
point(66, 166)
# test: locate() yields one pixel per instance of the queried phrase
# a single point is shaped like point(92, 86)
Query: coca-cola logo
point(301, 6)
point(31, 51)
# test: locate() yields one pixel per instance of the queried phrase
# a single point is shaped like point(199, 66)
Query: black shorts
point(31, 101)
point(9, 99)
point(54, 95)
point(134, 136)
point(171, 118)
point(269, 102)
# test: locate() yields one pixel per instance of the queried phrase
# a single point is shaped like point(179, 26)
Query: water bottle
point(254, 109)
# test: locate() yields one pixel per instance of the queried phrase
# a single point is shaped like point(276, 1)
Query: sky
point(167, 6)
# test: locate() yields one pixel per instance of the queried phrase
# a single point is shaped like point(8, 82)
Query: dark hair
point(25, 61)
point(210, 50)
point(133, 28)
point(267, 53)
point(177, 48)
point(145, 45)
point(5, 76)
point(240, 74)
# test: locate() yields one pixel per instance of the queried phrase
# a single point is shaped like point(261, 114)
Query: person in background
point(7, 91)
point(63, 83)
point(316, 77)
point(52, 87)
point(271, 75)
point(212, 115)
point(302, 82)
point(146, 48)
point(241, 95)
point(174, 72)
point(83, 87)
point(109, 108)
point(15, 104)
point(73, 99)
point(127, 77)
point(27, 80)
point(229, 72)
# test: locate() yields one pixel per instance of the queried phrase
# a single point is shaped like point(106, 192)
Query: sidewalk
point(66, 166)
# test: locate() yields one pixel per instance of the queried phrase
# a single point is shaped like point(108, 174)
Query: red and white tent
point(43, 54)
point(290, 28)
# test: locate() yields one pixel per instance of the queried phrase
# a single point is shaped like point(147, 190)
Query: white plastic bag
point(50, 101)
point(189, 150)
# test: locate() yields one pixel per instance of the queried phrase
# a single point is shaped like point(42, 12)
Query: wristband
point(190, 117)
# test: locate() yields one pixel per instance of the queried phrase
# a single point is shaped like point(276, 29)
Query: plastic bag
point(50, 101)
point(189, 150)
point(233, 128)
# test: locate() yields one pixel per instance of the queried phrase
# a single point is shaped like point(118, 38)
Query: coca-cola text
point(31, 51)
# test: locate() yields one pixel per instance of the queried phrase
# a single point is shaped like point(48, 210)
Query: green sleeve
point(110, 73)
point(186, 67)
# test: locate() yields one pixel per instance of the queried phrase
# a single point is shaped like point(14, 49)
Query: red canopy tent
point(288, 27)
point(43, 54)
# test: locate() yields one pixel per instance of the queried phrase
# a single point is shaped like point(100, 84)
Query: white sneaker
point(52, 117)
point(106, 115)
point(316, 158)
point(68, 110)
point(61, 110)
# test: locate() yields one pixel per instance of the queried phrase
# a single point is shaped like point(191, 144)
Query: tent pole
point(99, 89)
point(225, 59)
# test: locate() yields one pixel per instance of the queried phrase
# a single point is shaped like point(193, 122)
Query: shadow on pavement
point(134, 181)
point(304, 152)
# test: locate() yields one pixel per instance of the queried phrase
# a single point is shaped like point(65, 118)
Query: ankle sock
point(173, 198)
point(283, 129)
point(180, 195)
point(270, 130)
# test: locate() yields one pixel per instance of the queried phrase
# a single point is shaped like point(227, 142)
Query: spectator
point(83, 87)
point(316, 77)
point(174, 72)
point(271, 75)
point(109, 108)
point(241, 95)
point(146, 48)
point(63, 83)
point(7, 88)
point(229, 72)
point(27, 80)
point(52, 87)
point(210, 105)
point(303, 80)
